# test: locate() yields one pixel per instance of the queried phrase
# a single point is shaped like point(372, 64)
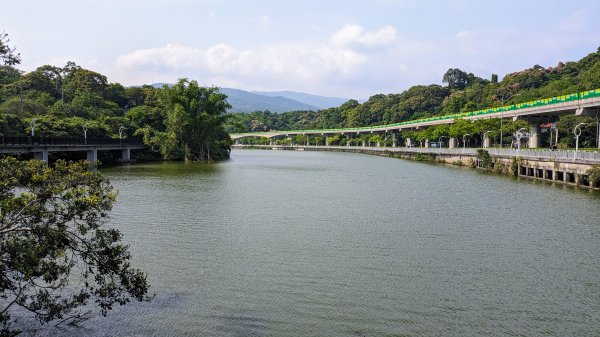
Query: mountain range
point(275, 101)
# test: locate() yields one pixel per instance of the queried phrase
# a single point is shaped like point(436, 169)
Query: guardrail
point(49, 141)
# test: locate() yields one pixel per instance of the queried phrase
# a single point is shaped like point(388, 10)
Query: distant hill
point(245, 101)
point(275, 101)
point(321, 102)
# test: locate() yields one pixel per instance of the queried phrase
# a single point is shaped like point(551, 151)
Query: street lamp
point(32, 125)
point(440, 142)
point(465, 141)
point(577, 133)
point(502, 99)
point(85, 128)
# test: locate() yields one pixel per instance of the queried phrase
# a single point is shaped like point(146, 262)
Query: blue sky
point(337, 48)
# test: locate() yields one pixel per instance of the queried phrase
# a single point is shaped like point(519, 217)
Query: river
point(282, 243)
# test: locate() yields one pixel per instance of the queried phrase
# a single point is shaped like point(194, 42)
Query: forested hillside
point(181, 122)
point(463, 92)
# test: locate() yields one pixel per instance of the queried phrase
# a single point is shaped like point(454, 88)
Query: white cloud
point(354, 35)
point(352, 61)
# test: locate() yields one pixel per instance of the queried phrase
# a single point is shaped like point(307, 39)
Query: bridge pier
point(92, 156)
point(126, 155)
point(487, 141)
point(534, 136)
point(452, 143)
point(42, 155)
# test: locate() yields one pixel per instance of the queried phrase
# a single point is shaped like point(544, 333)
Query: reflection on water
point(275, 243)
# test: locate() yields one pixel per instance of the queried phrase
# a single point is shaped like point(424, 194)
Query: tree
point(195, 118)
point(456, 79)
point(7, 54)
point(52, 229)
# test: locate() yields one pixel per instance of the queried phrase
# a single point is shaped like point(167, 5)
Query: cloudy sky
point(329, 47)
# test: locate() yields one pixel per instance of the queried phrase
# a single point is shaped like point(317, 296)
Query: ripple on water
point(275, 243)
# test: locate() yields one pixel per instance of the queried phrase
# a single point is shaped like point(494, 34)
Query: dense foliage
point(465, 92)
point(52, 228)
point(60, 101)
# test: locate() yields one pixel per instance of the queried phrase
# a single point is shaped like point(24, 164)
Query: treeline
point(464, 92)
point(181, 122)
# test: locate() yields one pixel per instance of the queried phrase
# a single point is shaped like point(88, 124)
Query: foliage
point(484, 157)
point(7, 54)
point(194, 123)
point(465, 92)
point(594, 173)
point(52, 230)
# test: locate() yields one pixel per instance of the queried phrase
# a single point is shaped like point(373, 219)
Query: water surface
point(277, 243)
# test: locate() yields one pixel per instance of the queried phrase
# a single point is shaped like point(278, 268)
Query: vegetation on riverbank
point(464, 92)
point(52, 232)
point(182, 122)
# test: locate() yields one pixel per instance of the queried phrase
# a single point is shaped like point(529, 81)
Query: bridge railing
point(42, 141)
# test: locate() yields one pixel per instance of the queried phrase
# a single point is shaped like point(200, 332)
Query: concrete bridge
point(41, 146)
point(535, 112)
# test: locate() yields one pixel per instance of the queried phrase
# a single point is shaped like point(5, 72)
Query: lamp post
point(465, 141)
point(85, 128)
point(32, 125)
point(440, 142)
point(502, 99)
point(577, 133)
point(121, 129)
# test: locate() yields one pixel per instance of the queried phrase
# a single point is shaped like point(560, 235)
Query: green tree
point(195, 118)
point(52, 232)
point(7, 53)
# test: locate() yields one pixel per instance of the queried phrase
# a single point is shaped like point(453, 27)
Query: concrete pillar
point(394, 139)
point(42, 155)
point(237, 142)
point(307, 140)
point(577, 178)
point(534, 136)
point(452, 143)
point(126, 155)
point(378, 144)
point(409, 142)
point(427, 143)
point(554, 175)
point(326, 141)
point(544, 174)
point(565, 177)
point(92, 155)
point(347, 140)
point(487, 141)
point(363, 143)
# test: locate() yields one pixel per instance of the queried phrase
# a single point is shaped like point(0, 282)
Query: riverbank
point(566, 167)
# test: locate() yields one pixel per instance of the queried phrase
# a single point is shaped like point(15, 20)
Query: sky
point(350, 49)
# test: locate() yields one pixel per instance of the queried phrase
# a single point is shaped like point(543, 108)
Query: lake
point(291, 243)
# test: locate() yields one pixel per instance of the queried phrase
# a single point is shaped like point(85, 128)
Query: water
point(276, 243)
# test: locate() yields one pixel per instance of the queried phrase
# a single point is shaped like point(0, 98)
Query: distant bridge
point(582, 103)
point(41, 146)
